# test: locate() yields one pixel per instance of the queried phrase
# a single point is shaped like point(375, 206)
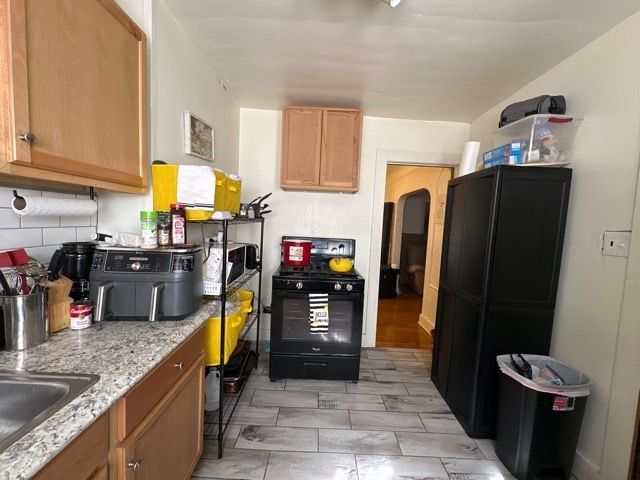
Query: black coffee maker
point(73, 260)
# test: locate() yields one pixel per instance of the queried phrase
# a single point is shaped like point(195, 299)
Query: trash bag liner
point(576, 384)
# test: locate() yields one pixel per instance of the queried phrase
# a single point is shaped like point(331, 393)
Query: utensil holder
point(24, 321)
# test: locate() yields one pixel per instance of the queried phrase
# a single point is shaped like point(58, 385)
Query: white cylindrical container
point(469, 159)
point(212, 391)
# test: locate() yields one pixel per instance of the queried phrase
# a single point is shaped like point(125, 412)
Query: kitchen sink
point(28, 399)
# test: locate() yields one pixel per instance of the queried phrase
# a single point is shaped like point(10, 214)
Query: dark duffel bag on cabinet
point(553, 104)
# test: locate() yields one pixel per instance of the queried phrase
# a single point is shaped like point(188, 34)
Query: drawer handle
point(314, 364)
point(135, 464)
point(28, 137)
point(179, 366)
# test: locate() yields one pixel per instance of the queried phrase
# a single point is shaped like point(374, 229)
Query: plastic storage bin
point(543, 139)
point(165, 191)
point(233, 327)
point(232, 195)
point(244, 300)
point(538, 423)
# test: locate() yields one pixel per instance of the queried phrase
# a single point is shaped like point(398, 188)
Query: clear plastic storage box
point(544, 139)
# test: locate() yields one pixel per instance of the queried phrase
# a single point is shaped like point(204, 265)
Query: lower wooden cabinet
point(168, 442)
point(87, 456)
point(154, 432)
point(101, 474)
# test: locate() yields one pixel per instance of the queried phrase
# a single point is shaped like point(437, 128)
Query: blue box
point(509, 154)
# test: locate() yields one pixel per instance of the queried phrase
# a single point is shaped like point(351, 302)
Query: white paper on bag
point(48, 206)
point(469, 158)
point(196, 184)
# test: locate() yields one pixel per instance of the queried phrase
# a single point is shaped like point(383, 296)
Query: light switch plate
point(617, 243)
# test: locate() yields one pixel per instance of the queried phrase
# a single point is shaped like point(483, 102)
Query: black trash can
point(388, 282)
point(538, 420)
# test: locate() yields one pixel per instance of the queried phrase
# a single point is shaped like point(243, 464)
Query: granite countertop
point(121, 353)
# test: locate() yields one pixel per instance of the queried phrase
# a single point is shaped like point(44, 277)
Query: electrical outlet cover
point(616, 244)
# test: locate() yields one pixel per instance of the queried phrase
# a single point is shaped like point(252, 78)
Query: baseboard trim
point(583, 469)
point(426, 323)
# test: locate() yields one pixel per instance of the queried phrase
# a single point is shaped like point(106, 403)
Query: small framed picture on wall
point(198, 137)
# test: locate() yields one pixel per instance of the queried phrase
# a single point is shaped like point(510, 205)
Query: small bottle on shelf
point(178, 224)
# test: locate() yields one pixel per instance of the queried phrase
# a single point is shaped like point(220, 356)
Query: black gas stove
point(318, 276)
point(301, 349)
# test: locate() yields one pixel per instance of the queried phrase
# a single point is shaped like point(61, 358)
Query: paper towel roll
point(469, 158)
point(49, 206)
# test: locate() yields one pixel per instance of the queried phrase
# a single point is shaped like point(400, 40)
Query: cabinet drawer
point(135, 405)
point(83, 456)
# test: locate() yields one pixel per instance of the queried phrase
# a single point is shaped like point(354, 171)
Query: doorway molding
point(384, 158)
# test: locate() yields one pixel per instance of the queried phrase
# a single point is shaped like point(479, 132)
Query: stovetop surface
point(323, 250)
point(317, 271)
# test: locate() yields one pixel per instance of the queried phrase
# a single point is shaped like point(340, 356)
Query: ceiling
point(425, 59)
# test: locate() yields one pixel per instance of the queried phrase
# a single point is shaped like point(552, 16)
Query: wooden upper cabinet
point(301, 144)
point(340, 160)
point(321, 149)
point(75, 107)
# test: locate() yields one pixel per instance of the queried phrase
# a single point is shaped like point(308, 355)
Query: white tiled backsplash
point(41, 236)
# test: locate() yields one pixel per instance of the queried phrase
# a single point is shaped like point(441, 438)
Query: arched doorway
point(411, 241)
point(411, 237)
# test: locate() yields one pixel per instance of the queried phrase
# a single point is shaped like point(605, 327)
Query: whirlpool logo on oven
point(316, 349)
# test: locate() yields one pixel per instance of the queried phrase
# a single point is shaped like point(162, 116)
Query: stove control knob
point(135, 266)
point(349, 287)
point(337, 287)
point(299, 285)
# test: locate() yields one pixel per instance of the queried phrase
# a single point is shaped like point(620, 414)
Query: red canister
point(296, 252)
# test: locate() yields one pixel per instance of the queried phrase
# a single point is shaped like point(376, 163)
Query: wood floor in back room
point(398, 323)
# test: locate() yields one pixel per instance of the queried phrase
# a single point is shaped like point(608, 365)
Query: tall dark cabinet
point(504, 230)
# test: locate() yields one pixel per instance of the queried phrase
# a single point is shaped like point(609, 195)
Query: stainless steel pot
point(24, 321)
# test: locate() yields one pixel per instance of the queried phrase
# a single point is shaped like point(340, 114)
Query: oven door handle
point(314, 364)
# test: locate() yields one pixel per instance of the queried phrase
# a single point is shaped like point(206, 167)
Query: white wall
point(179, 79)
point(331, 214)
point(602, 84)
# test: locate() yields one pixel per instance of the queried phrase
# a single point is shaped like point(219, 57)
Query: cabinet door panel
point(85, 78)
point(339, 167)
point(466, 320)
point(528, 246)
point(169, 443)
point(301, 138)
point(441, 363)
point(469, 208)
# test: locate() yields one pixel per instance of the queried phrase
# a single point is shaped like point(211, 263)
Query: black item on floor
point(388, 282)
point(501, 252)
point(553, 104)
point(537, 432)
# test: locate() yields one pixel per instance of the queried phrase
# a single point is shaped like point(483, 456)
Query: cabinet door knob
point(28, 137)
point(135, 464)
point(179, 366)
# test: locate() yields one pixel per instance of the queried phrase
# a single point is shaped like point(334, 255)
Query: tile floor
point(392, 425)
